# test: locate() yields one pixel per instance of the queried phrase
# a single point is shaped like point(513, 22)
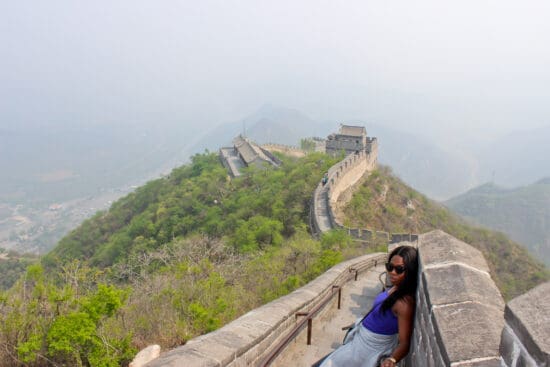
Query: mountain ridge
point(522, 212)
point(189, 252)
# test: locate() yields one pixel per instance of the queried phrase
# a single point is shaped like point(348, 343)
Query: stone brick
point(508, 347)
point(467, 331)
point(457, 283)
point(492, 362)
point(183, 356)
point(437, 247)
point(145, 355)
point(529, 317)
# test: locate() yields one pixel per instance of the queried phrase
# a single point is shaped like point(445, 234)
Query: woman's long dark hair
point(409, 284)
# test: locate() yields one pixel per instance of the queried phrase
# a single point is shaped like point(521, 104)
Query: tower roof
point(248, 150)
point(353, 130)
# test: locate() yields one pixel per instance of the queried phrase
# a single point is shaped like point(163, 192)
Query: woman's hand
point(388, 362)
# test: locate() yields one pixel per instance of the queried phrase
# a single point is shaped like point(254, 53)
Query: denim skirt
point(364, 350)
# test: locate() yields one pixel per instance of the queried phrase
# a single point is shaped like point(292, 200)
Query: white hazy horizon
point(446, 70)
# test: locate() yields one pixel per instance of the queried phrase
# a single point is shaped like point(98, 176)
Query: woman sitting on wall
point(383, 337)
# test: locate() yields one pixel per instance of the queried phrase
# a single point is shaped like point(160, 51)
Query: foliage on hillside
point(251, 212)
point(188, 253)
point(523, 213)
point(180, 257)
point(12, 265)
point(384, 202)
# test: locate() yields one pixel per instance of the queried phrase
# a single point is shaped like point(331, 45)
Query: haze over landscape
point(97, 98)
point(123, 225)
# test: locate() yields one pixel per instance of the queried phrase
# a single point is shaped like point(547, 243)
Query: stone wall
point(277, 161)
point(460, 316)
point(459, 313)
point(250, 338)
point(402, 237)
point(526, 335)
point(286, 149)
point(341, 177)
point(348, 172)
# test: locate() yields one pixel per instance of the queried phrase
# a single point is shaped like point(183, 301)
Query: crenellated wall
point(348, 172)
point(459, 321)
point(460, 312)
point(286, 149)
point(341, 177)
point(526, 335)
point(250, 338)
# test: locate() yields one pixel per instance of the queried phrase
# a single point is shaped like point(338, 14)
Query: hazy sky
point(438, 66)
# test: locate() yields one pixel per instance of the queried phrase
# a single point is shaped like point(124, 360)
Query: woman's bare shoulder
point(404, 305)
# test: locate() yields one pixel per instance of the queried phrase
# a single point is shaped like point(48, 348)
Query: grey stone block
point(508, 349)
point(183, 356)
point(366, 234)
point(223, 346)
point(467, 331)
point(529, 317)
point(493, 362)
point(382, 235)
point(456, 283)
point(438, 247)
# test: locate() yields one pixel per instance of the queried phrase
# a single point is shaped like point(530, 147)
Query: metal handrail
point(296, 330)
point(309, 316)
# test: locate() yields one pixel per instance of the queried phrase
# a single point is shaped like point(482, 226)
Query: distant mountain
point(523, 213)
point(421, 163)
point(270, 124)
point(517, 159)
point(383, 202)
point(60, 164)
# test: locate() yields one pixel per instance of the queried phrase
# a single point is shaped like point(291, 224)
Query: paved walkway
point(321, 209)
point(327, 334)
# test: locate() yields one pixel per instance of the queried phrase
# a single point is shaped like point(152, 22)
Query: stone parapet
point(526, 336)
point(459, 313)
point(341, 177)
point(250, 338)
point(347, 172)
point(285, 149)
point(401, 237)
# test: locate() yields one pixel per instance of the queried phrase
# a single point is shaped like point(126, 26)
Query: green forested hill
point(384, 202)
point(187, 253)
point(250, 213)
point(12, 265)
point(177, 258)
point(523, 213)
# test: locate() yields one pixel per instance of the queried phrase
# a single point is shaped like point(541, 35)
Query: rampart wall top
point(248, 339)
point(526, 339)
point(459, 314)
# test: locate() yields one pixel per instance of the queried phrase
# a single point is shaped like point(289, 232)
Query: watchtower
point(350, 139)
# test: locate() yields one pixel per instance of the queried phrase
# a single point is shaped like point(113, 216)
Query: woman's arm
point(404, 310)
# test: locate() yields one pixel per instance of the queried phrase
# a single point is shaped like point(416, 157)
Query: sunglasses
point(399, 269)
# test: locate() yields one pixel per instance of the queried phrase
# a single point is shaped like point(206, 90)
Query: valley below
point(36, 230)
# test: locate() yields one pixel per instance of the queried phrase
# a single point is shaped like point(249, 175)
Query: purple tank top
point(380, 322)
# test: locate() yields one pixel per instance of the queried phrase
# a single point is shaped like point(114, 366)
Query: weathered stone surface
point(145, 355)
point(183, 356)
point(246, 340)
point(466, 331)
point(529, 317)
point(438, 248)
point(492, 362)
point(456, 283)
point(507, 347)
point(224, 345)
